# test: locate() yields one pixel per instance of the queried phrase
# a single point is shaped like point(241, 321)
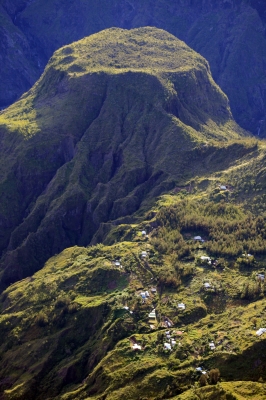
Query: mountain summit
point(230, 34)
point(116, 118)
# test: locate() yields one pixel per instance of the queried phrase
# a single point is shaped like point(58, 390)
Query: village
point(210, 286)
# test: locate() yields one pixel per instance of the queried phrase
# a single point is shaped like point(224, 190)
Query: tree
point(214, 376)
point(203, 380)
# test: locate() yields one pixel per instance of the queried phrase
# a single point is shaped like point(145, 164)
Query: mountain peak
point(146, 49)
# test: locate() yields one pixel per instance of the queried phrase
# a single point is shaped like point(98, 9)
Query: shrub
point(41, 319)
point(72, 308)
point(62, 301)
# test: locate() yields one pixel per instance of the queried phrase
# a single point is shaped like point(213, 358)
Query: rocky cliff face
point(229, 33)
point(115, 119)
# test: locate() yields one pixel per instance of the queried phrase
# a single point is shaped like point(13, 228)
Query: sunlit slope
point(68, 331)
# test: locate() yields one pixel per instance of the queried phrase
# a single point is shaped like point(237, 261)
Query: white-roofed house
point(204, 260)
point(260, 277)
point(152, 317)
point(167, 346)
point(181, 306)
point(136, 346)
point(260, 331)
point(144, 254)
point(207, 286)
point(197, 238)
point(212, 346)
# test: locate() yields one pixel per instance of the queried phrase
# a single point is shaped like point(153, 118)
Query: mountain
point(115, 120)
point(133, 229)
point(230, 34)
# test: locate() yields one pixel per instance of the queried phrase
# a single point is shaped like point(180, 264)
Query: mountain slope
point(115, 119)
point(69, 330)
point(230, 34)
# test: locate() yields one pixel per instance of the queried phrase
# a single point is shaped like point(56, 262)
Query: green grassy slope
point(98, 134)
point(68, 335)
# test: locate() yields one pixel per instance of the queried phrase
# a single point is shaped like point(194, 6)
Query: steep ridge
point(230, 34)
point(115, 119)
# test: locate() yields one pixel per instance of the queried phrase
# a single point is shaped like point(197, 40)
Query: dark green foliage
point(214, 376)
point(227, 230)
point(203, 381)
point(62, 302)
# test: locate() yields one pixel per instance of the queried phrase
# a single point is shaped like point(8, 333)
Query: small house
point(260, 277)
point(136, 346)
point(181, 306)
point(147, 294)
point(173, 342)
point(223, 187)
point(117, 263)
point(167, 346)
point(143, 295)
point(199, 369)
point(152, 316)
point(197, 238)
point(143, 233)
point(144, 254)
point(153, 290)
point(260, 331)
point(205, 258)
point(212, 346)
point(207, 286)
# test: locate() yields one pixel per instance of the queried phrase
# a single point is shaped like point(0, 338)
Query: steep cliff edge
point(115, 119)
